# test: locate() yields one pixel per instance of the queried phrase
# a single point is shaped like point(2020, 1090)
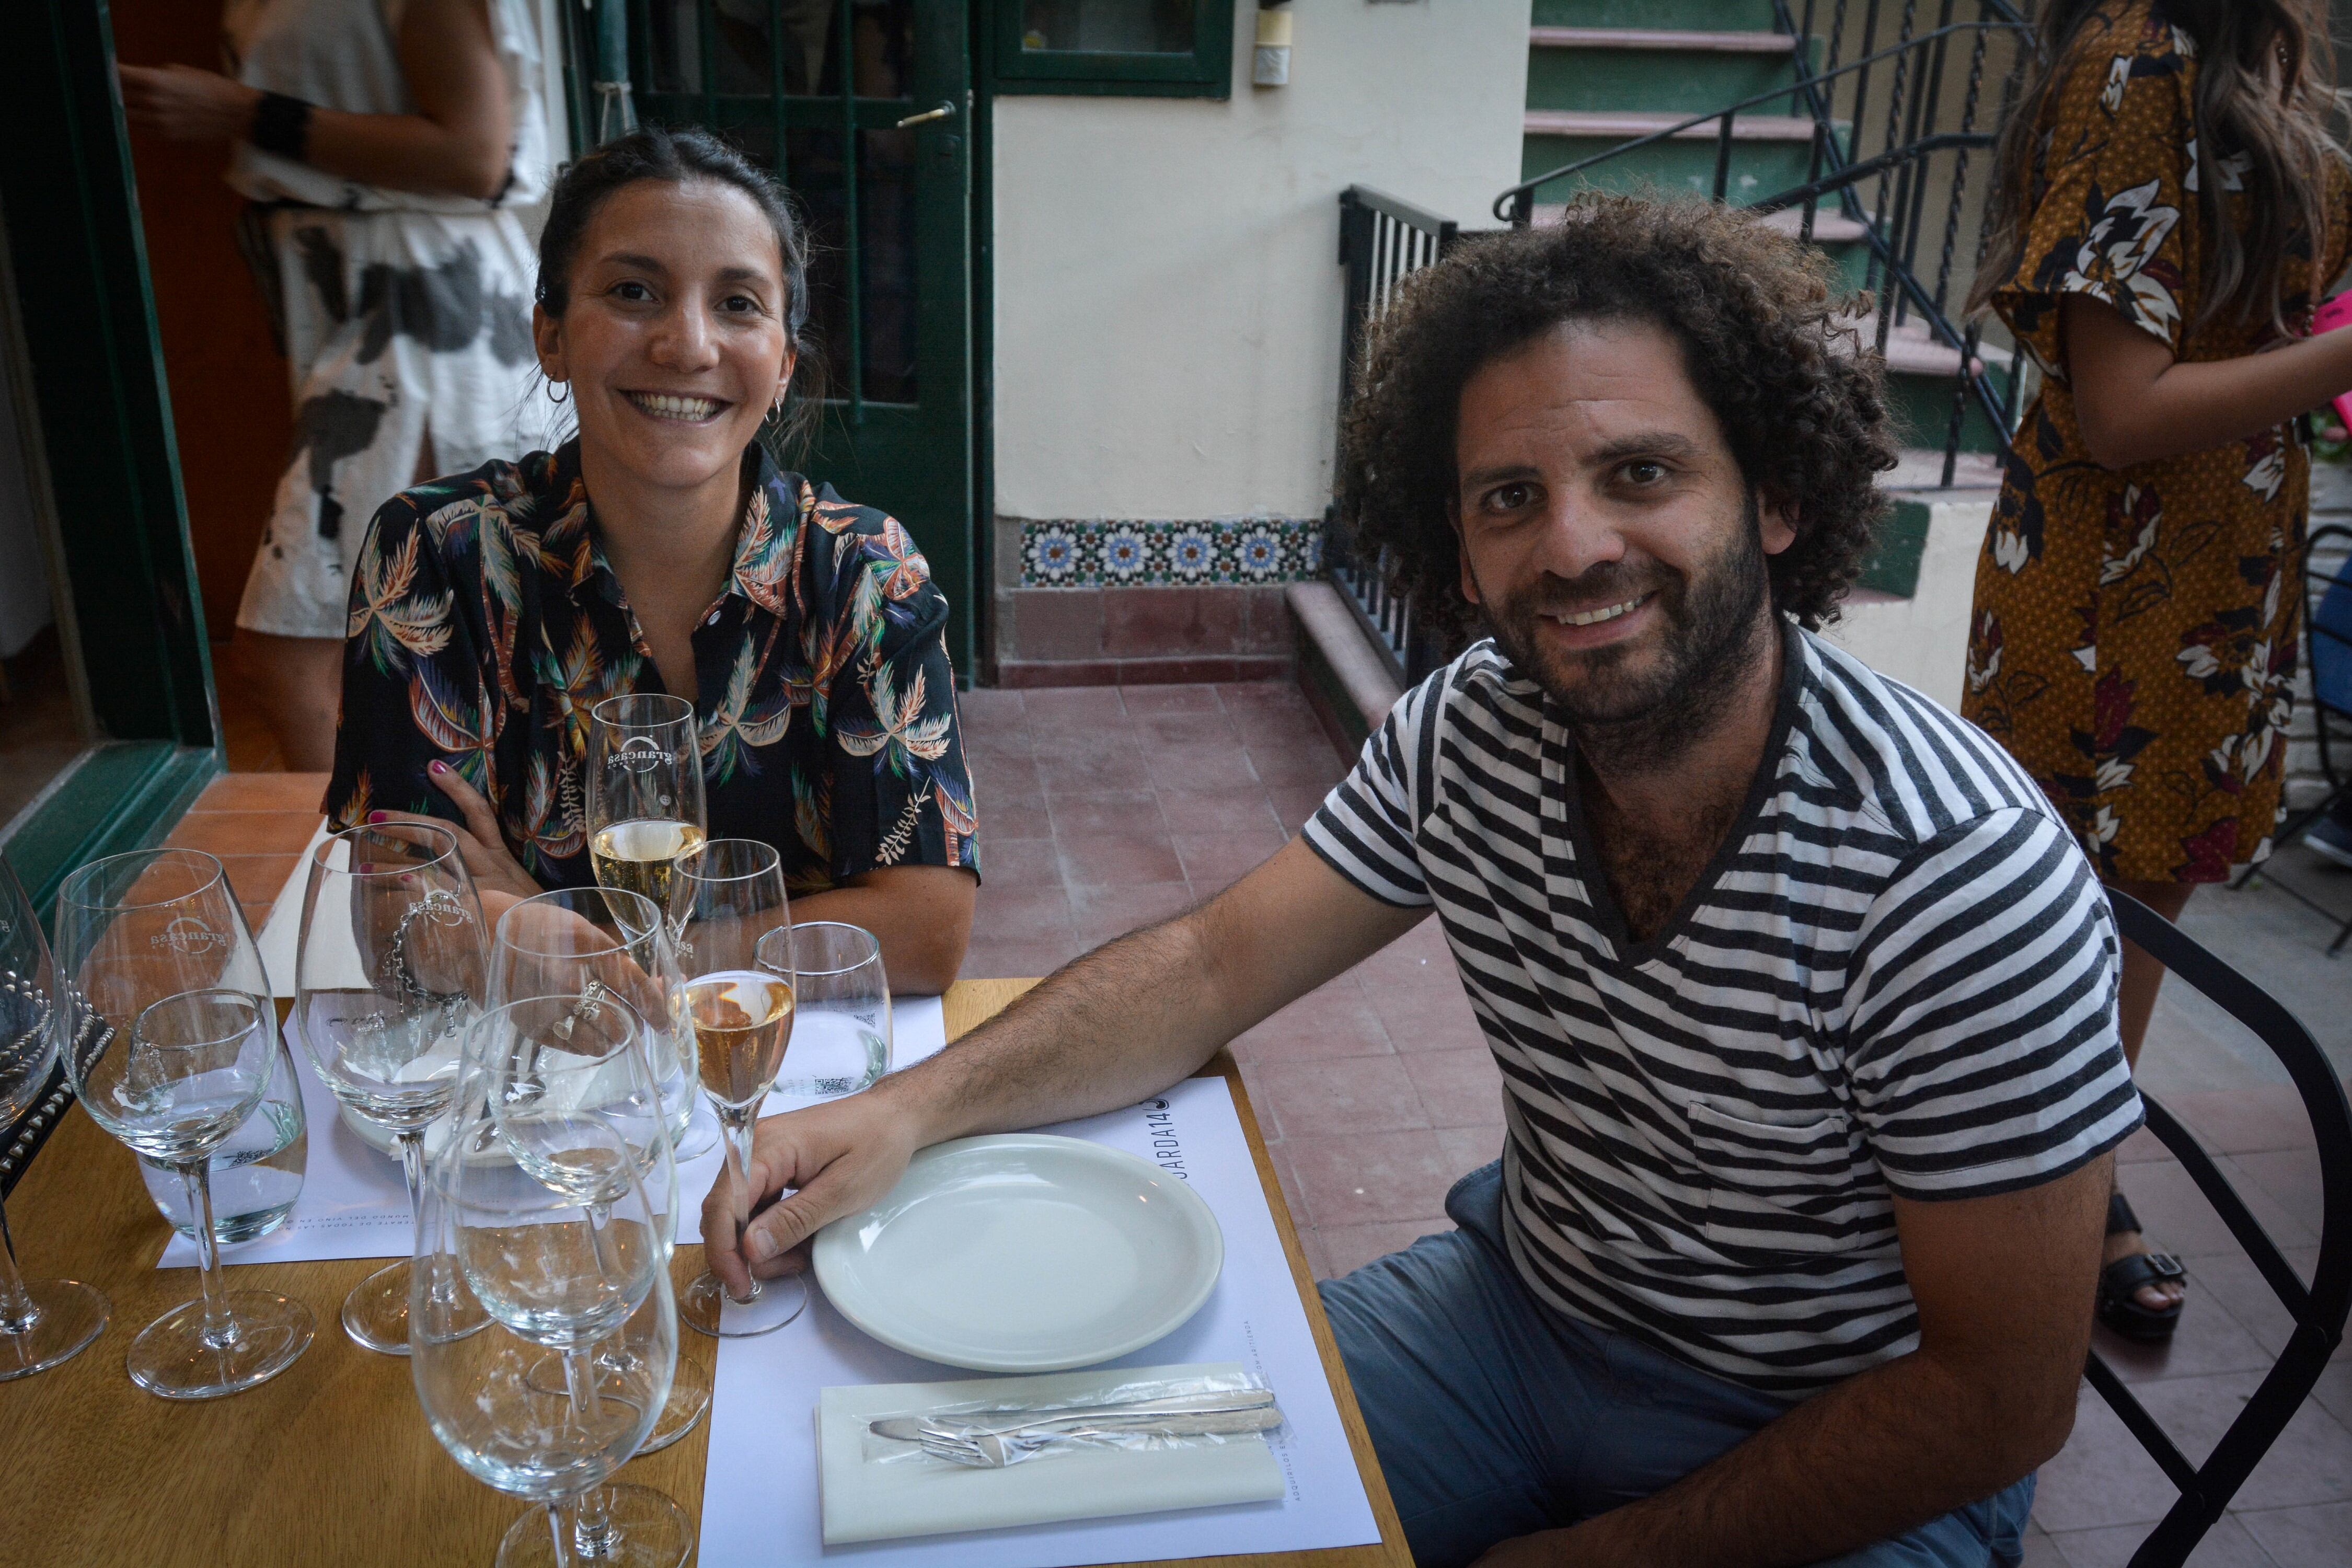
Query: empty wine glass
point(564, 1254)
point(549, 1064)
point(841, 1007)
point(42, 1322)
point(645, 790)
point(593, 942)
point(726, 897)
point(170, 1043)
point(387, 976)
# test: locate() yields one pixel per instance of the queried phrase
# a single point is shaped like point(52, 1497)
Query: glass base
point(376, 1314)
point(777, 1302)
point(689, 1396)
point(171, 1360)
point(701, 1135)
point(67, 1315)
point(649, 1530)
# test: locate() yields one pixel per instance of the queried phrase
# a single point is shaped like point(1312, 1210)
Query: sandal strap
point(2120, 1218)
point(2129, 1273)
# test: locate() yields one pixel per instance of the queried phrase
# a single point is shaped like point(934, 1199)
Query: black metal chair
point(2319, 1309)
point(2327, 605)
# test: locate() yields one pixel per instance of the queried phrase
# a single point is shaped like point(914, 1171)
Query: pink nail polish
point(375, 816)
point(438, 768)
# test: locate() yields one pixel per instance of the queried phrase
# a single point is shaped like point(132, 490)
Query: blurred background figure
point(2173, 206)
point(382, 147)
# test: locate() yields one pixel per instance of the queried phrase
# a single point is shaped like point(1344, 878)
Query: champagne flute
point(170, 1042)
point(605, 956)
point(562, 1079)
point(387, 976)
point(644, 791)
point(42, 1322)
point(562, 1253)
point(726, 897)
point(841, 1007)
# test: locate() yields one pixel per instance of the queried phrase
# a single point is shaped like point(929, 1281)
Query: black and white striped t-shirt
point(1897, 976)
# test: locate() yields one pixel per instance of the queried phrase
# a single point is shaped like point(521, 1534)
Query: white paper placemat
point(914, 1495)
point(355, 1204)
point(759, 1498)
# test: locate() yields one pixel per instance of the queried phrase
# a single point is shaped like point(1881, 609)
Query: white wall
point(1923, 641)
point(1168, 292)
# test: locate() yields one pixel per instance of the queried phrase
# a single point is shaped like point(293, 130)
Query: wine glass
point(644, 791)
point(841, 1007)
point(597, 942)
point(170, 1042)
point(537, 1219)
point(387, 976)
point(726, 896)
point(42, 1322)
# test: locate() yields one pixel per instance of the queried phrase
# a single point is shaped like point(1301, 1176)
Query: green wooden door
point(816, 90)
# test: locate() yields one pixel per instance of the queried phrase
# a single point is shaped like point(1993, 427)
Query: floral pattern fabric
point(485, 624)
point(2133, 637)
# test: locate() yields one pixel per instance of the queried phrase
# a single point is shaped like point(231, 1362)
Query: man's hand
point(480, 842)
point(844, 1156)
point(185, 104)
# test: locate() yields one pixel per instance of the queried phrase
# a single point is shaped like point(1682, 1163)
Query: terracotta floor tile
point(1021, 863)
point(2041, 1552)
point(1073, 708)
point(1083, 766)
point(1102, 813)
point(1149, 701)
point(1099, 914)
point(2310, 1463)
point(1294, 804)
point(1458, 1089)
point(245, 832)
point(2334, 1393)
point(1117, 860)
point(2318, 1536)
point(2231, 1280)
point(1010, 817)
point(2209, 1340)
point(1428, 1015)
point(1318, 1264)
point(2178, 1219)
point(1347, 1247)
point(995, 777)
point(991, 707)
point(2226, 1545)
point(2103, 1477)
point(1341, 1095)
point(1025, 960)
point(1334, 1020)
point(1465, 1149)
point(1286, 1177)
point(986, 745)
point(1357, 1178)
point(2292, 1176)
point(2141, 1145)
point(2244, 1121)
point(263, 791)
point(1020, 915)
point(1215, 860)
point(1417, 955)
point(1185, 764)
point(1241, 808)
point(1310, 762)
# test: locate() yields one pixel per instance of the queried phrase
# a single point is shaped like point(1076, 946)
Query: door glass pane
point(883, 259)
point(742, 39)
point(40, 731)
point(1108, 26)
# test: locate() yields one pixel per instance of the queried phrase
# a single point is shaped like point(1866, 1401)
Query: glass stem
point(591, 1525)
point(555, 1529)
point(411, 1170)
point(736, 1126)
point(17, 1313)
point(220, 1328)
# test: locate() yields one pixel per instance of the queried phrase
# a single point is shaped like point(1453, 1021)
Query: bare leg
point(2143, 977)
point(299, 683)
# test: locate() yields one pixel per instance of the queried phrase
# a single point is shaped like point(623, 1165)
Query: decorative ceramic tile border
point(1072, 553)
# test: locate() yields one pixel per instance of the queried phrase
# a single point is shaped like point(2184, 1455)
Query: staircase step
point(1661, 39)
point(1829, 228)
point(1701, 16)
point(1623, 125)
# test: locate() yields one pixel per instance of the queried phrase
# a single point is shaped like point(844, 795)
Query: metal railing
point(1885, 167)
point(1381, 242)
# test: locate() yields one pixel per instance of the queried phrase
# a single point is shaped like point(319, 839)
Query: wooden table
point(331, 1462)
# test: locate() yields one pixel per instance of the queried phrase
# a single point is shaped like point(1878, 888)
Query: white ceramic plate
point(1024, 1252)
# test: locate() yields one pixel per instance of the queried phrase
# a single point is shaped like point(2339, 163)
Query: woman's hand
point(480, 842)
point(185, 104)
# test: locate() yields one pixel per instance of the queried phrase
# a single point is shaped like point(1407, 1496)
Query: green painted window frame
point(1206, 72)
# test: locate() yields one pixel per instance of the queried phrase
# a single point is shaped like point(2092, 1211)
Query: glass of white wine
point(726, 896)
point(644, 791)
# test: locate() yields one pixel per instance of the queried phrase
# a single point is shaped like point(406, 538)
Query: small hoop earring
point(551, 395)
point(776, 409)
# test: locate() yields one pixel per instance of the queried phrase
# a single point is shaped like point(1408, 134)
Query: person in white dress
point(384, 146)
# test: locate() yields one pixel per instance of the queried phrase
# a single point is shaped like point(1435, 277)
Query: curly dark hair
point(1762, 338)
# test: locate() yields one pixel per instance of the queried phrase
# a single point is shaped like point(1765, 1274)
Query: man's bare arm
point(1107, 1030)
point(2004, 1287)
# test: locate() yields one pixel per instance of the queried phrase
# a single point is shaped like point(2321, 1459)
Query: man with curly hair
point(1804, 998)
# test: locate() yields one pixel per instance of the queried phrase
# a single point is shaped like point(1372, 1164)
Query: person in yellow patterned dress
point(2172, 206)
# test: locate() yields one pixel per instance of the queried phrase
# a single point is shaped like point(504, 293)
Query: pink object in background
point(2333, 313)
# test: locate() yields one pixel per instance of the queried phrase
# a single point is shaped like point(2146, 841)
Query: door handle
point(944, 111)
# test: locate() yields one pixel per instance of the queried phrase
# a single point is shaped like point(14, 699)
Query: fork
point(993, 1450)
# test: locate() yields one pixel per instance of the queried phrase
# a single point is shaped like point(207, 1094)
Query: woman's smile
point(679, 408)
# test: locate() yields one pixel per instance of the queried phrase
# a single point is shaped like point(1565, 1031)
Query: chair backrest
point(2319, 1309)
point(2330, 601)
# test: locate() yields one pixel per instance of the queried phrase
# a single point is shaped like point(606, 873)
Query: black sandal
point(2121, 1281)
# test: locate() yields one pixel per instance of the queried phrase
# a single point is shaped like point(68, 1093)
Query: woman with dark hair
point(2172, 205)
point(661, 549)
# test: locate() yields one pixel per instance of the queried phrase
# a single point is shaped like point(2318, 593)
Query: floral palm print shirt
point(485, 624)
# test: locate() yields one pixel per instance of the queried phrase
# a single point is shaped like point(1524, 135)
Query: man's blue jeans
point(1495, 1416)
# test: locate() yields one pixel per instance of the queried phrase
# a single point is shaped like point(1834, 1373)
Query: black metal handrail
point(1893, 223)
point(2319, 1309)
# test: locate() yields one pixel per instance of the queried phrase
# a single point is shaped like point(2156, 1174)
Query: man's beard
point(1622, 712)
